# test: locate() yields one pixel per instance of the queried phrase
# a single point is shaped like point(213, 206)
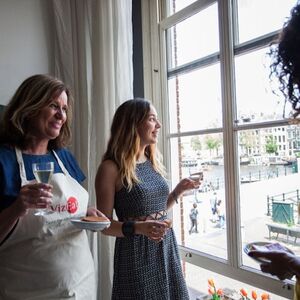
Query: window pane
point(269, 16)
point(185, 49)
point(269, 190)
point(255, 100)
point(195, 102)
point(191, 155)
point(266, 160)
point(177, 5)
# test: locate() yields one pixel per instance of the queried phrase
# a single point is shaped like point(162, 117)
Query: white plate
point(264, 246)
point(94, 226)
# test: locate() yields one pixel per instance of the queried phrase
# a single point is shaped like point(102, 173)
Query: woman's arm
point(106, 183)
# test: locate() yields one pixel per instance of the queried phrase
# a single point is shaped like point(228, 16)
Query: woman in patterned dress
point(130, 179)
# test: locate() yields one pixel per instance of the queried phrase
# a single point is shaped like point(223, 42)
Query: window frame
point(154, 25)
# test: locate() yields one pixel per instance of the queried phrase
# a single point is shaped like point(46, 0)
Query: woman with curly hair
point(285, 54)
point(286, 68)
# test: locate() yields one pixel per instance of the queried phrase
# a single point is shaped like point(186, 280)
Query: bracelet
point(128, 228)
point(174, 196)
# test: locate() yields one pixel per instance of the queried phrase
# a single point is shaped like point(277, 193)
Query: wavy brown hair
point(33, 94)
point(285, 54)
point(124, 142)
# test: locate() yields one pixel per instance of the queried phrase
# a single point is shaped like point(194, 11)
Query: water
point(215, 173)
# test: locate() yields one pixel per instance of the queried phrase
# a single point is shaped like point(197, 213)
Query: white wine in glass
point(42, 173)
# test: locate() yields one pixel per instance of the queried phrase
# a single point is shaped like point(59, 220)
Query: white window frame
point(155, 87)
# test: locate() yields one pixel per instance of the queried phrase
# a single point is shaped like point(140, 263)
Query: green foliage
point(196, 144)
point(271, 145)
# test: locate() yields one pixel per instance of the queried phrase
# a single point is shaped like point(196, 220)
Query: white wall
point(26, 42)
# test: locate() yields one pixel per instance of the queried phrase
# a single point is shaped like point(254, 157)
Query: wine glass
point(42, 172)
point(197, 177)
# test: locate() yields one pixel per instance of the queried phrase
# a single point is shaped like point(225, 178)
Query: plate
point(265, 246)
point(94, 226)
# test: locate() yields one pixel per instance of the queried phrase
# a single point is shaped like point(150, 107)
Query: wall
point(26, 42)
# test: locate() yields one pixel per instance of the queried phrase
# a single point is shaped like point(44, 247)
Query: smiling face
point(149, 128)
point(48, 123)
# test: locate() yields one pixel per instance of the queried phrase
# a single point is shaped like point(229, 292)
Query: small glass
point(197, 177)
point(42, 173)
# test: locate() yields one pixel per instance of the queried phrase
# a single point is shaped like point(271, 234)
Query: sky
point(200, 91)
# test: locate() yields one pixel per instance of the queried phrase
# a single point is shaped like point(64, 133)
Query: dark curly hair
point(285, 54)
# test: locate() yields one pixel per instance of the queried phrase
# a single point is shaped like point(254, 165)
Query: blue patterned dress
point(144, 269)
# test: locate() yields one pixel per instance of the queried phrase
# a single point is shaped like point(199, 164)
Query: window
point(220, 115)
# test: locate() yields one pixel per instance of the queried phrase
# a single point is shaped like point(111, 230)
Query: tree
point(247, 141)
point(212, 143)
point(196, 144)
point(271, 145)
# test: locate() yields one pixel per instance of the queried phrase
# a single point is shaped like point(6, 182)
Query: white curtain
point(93, 55)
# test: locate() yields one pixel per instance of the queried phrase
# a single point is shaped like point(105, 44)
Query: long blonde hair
point(124, 142)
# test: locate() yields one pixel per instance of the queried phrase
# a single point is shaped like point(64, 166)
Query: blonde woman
point(131, 180)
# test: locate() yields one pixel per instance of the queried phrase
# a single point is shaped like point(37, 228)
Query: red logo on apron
point(72, 205)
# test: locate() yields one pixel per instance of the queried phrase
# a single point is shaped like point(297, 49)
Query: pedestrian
point(213, 205)
point(194, 218)
point(220, 212)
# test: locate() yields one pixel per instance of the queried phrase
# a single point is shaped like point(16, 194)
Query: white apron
point(46, 257)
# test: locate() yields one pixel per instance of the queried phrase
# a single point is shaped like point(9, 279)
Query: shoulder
point(108, 175)
point(70, 163)
point(6, 151)
point(9, 174)
point(108, 168)
point(7, 155)
point(65, 154)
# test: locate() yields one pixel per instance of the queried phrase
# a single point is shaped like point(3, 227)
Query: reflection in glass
point(191, 155)
point(256, 101)
point(176, 5)
point(267, 18)
point(269, 185)
point(183, 48)
point(193, 97)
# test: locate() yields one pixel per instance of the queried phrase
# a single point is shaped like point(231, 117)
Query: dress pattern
point(144, 269)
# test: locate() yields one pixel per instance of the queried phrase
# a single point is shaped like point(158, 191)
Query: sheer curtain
point(93, 54)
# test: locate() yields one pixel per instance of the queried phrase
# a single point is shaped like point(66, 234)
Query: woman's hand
point(278, 263)
point(186, 184)
point(93, 211)
point(155, 230)
point(32, 196)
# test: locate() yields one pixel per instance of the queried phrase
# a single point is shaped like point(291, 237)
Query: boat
point(244, 161)
point(247, 179)
point(277, 161)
